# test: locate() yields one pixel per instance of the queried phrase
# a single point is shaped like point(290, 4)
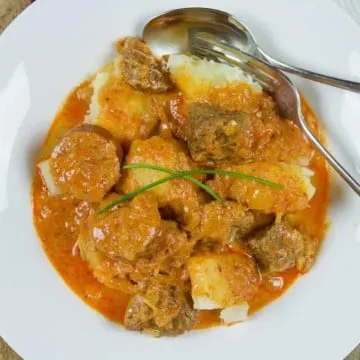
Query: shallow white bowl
point(53, 46)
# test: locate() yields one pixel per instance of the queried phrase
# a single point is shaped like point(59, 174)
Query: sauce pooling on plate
point(173, 258)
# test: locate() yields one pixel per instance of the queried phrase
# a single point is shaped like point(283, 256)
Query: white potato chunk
point(179, 195)
point(295, 193)
point(235, 313)
point(192, 74)
point(94, 110)
point(222, 280)
point(115, 106)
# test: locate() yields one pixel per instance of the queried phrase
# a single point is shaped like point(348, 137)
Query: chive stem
point(185, 175)
point(205, 171)
point(134, 193)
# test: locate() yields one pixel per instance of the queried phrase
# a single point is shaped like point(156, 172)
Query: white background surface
point(352, 7)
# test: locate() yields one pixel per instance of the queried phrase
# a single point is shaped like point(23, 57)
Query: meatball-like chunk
point(126, 231)
point(138, 314)
point(86, 163)
point(220, 281)
point(169, 251)
point(221, 223)
point(216, 135)
point(164, 309)
point(278, 248)
point(179, 196)
point(140, 68)
point(251, 221)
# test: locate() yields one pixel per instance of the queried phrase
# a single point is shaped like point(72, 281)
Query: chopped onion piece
point(75, 249)
point(47, 178)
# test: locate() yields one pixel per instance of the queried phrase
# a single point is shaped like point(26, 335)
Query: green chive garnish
point(185, 175)
point(132, 194)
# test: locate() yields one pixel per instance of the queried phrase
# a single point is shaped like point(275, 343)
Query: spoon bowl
point(171, 32)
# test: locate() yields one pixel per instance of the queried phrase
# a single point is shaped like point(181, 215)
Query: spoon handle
point(324, 79)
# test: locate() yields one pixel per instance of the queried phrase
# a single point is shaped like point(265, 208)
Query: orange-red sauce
point(58, 229)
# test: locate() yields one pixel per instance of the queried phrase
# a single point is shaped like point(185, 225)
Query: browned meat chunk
point(127, 231)
point(308, 258)
point(86, 163)
point(140, 68)
point(138, 314)
point(251, 221)
point(221, 223)
point(166, 255)
point(164, 309)
point(216, 134)
point(172, 246)
point(278, 247)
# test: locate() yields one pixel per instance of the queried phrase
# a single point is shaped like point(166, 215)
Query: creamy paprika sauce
point(58, 218)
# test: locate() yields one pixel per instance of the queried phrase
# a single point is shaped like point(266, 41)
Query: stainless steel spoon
point(170, 32)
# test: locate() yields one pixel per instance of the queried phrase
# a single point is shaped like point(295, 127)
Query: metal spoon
point(170, 32)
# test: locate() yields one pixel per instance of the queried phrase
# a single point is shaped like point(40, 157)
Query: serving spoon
point(200, 42)
point(169, 34)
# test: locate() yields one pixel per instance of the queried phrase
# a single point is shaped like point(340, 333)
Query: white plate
point(56, 44)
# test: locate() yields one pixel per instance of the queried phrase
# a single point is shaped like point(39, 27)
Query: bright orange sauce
point(58, 231)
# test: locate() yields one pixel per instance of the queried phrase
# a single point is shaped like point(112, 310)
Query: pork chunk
point(221, 223)
point(251, 221)
point(85, 163)
point(140, 68)
point(217, 135)
point(278, 247)
point(164, 309)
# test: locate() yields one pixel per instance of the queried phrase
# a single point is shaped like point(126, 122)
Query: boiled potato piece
point(119, 108)
point(235, 313)
point(220, 281)
point(215, 83)
point(295, 195)
point(179, 196)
